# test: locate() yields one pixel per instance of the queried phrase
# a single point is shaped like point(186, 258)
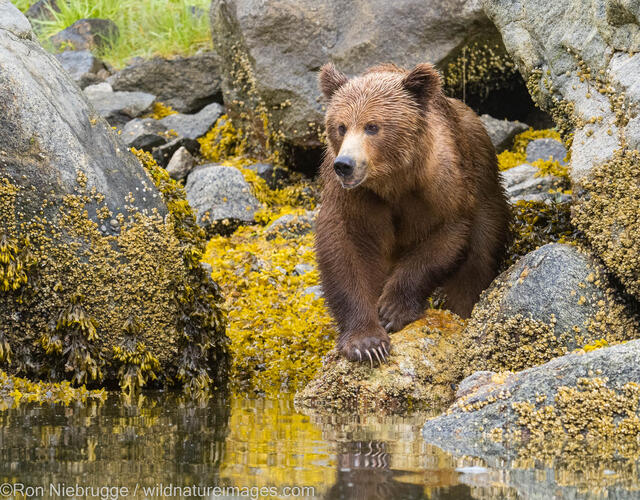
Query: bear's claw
point(368, 347)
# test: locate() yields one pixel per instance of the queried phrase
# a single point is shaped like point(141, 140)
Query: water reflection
point(237, 442)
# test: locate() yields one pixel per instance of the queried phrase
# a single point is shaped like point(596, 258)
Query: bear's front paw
point(396, 313)
point(367, 346)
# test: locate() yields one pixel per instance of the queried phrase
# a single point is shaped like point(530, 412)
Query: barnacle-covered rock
point(100, 279)
point(421, 372)
point(550, 302)
point(578, 414)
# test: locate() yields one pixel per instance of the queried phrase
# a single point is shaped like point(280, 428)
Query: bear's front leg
point(352, 251)
point(418, 272)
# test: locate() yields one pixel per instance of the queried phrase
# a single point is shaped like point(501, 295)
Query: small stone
point(291, 226)
point(502, 132)
point(181, 164)
point(315, 290)
point(301, 269)
point(271, 174)
point(118, 107)
point(42, 10)
point(545, 149)
point(143, 133)
point(162, 154)
point(195, 125)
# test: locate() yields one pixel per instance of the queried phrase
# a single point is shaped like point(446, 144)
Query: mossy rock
point(421, 373)
point(100, 279)
point(554, 300)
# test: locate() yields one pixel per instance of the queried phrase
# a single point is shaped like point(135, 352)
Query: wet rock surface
point(420, 374)
point(187, 84)
point(553, 300)
point(221, 197)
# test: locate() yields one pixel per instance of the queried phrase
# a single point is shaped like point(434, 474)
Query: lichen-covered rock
point(579, 412)
point(502, 132)
point(581, 59)
point(195, 125)
point(221, 197)
point(291, 225)
point(118, 107)
point(100, 279)
point(83, 66)
point(552, 301)
point(270, 53)
point(87, 34)
point(187, 84)
point(524, 183)
point(421, 372)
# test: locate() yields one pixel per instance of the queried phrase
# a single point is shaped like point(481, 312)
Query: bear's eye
point(371, 129)
point(342, 129)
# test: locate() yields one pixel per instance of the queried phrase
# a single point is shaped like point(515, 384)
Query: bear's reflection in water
point(365, 473)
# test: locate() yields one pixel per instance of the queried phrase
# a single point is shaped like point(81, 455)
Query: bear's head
point(374, 121)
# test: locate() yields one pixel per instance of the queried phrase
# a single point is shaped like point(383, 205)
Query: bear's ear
point(423, 83)
point(330, 80)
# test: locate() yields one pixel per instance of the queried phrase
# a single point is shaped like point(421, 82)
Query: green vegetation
point(147, 27)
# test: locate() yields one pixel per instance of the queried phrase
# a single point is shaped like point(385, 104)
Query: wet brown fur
point(431, 212)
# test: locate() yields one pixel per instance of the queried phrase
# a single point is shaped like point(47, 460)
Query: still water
point(158, 446)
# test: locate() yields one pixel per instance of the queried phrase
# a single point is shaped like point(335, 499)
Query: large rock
point(270, 53)
point(524, 183)
point(118, 107)
point(578, 412)
point(553, 300)
point(99, 280)
point(581, 59)
point(221, 197)
point(421, 372)
point(187, 84)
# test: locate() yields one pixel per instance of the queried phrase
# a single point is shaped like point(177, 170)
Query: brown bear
point(411, 201)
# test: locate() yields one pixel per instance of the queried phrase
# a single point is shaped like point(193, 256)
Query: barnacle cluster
point(477, 70)
point(74, 281)
point(585, 429)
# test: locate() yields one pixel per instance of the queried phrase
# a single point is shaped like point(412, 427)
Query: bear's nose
point(344, 165)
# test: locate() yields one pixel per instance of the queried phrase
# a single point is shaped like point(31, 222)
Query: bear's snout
point(344, 166)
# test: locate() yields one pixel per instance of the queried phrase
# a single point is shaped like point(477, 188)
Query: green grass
point(147, 27)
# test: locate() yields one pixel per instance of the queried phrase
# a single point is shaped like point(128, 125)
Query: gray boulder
point(85, 69)
point(221, 197)
point(546, 149)
point(87, 34)
point(271, 53)
point(522, 183)
point(187, 84)
point(553, 300)
point(143, 133)
point(118, 107)
point(502, 132)
point(80, 222)
point(195, 125)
